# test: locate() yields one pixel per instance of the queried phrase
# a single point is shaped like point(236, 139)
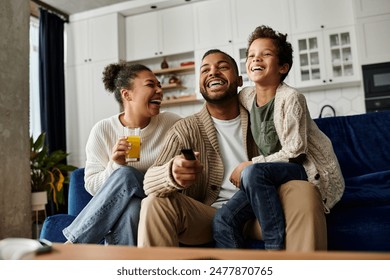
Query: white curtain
point(35, 118)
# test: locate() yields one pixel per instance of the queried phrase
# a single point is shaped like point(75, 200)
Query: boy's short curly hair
point(284, 48)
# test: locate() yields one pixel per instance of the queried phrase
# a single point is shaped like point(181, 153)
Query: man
point(183, 195)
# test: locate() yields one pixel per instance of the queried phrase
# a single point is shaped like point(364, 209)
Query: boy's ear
point(284, 68)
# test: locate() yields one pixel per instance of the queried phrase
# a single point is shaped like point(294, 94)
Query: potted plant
point(48, 172)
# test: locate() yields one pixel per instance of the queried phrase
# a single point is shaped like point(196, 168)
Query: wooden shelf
point(184, 69)
point(172, 86)
point(181, 99)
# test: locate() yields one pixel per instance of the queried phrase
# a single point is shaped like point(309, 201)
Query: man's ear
point(239, 81)
point(284, 68)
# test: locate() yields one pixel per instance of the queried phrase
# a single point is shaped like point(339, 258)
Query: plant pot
point(38, 200)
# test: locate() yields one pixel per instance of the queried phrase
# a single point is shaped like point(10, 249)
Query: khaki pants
point(168, 221)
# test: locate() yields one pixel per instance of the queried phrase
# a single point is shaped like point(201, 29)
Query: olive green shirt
point(263, 128)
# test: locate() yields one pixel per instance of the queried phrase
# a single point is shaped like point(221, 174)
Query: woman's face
point(146, 95)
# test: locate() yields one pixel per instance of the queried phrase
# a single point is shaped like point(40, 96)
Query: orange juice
point(134, 153)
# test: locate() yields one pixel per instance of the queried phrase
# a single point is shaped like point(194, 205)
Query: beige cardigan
point(196, 132)
point(299, 134)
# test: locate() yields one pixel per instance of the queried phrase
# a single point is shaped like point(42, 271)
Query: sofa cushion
point(368, 189)
point(359, 141)
point(53, 226)
point(359, 228)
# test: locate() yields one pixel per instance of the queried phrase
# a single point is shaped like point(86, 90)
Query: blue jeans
point(257, 198)
point(113, 213)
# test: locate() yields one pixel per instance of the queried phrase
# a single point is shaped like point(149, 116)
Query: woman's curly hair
point(121, 75)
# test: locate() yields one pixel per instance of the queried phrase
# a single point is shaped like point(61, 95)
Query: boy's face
point(218, 79)
point(262, 64)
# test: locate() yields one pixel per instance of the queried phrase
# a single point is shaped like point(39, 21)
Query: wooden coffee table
point(101, 252)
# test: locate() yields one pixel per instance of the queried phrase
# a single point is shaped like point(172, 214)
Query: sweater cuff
point(258, 159)
point(114, 166)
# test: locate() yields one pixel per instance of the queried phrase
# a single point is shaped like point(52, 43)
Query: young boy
point(290, 143)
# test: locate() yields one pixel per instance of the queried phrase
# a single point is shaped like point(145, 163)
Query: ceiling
point(77, 6)
point(71, 7)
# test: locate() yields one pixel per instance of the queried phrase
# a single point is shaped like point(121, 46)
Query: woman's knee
point(130, 173)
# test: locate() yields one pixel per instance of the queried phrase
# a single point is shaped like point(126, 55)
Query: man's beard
point(219, 99)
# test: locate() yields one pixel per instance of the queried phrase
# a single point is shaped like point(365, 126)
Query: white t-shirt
point(232, 151)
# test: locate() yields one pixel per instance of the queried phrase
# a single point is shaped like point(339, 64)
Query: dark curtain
point(52, 79)
point(52, 87)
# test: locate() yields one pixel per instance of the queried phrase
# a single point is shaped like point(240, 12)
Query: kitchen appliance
point(376, 78)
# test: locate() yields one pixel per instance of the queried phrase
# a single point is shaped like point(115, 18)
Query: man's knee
point(153, 206)
point(300, 195)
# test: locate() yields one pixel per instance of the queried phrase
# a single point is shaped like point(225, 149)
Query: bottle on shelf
point(164, 64)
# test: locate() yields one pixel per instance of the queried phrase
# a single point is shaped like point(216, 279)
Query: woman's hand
point(119, 151)
point(185, 171)
point(235, 177)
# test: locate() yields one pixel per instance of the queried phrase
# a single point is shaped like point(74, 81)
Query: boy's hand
point(185, 171)
point(235, 177)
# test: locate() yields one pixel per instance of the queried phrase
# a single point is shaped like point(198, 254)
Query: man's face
point(218, 81)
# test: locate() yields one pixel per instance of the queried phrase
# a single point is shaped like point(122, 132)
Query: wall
point(15, 204)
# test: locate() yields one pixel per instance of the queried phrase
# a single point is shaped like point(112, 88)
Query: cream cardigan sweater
point(104, 136)
point(299, 134)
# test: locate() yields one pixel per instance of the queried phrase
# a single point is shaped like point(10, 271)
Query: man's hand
point(235, 177)
point(185, 171)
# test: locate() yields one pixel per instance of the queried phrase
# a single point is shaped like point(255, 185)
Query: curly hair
point(121, 75)
point(283, 47)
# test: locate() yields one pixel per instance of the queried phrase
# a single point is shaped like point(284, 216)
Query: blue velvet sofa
point(361, 219)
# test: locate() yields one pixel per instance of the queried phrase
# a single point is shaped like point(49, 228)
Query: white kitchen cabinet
point(212, 24)
point(248, 14)
point(365, 8)
point(159, 33)
point(177, 30)
point(87, 102)
point(312, 15)
point(92, 44)
point(326, 58)
point(95, 39)
point(373, 39)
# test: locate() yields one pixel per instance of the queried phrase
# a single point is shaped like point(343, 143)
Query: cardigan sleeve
point(159, 178)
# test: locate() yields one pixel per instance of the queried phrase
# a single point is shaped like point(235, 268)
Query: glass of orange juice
point(133, 136)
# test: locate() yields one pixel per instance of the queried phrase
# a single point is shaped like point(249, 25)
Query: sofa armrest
point(78, 196)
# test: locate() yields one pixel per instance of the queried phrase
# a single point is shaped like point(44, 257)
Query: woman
point(113, 212)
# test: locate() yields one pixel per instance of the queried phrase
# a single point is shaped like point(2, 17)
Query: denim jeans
point(113, 213)
point(257, 198)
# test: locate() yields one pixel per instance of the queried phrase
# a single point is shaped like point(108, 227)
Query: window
point(35, 117)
